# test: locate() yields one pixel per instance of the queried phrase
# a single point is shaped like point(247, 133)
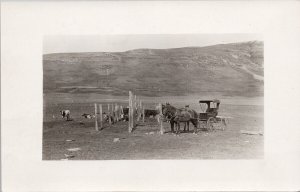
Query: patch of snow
point(234, 56)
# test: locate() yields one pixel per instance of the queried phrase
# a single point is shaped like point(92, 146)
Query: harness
point(169, 115)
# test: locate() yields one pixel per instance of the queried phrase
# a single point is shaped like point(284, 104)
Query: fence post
point(117, 113)
point(112, 112)
point(109, 114)
point(143, 114)
point(130, 112)
point(96, 119)
point(157, 116)
point(141, 109)
point(101, 116)
point(122, 112)
point(160, 119)
point(134, 109)
point(138, 110)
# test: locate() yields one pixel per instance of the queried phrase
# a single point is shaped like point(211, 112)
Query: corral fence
point(136, 113)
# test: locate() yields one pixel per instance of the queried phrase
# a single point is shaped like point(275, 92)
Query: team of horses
point(179, 115)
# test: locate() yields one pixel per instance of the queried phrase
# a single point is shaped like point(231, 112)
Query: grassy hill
point(227, 69)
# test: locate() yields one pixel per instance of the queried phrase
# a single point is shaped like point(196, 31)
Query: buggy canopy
point(208, 101)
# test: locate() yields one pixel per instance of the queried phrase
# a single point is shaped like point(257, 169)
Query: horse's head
point(168, 111)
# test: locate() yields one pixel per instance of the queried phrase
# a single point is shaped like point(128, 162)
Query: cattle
point(148, 113)
point(107, 117)
point(125, 114)
point(88, 116)
point(124, 117)
point(65, 114)
point(151, 112)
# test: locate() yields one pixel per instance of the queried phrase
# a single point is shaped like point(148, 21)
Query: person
point(187, 107)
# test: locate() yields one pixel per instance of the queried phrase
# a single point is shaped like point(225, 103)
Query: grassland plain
point(145, 142)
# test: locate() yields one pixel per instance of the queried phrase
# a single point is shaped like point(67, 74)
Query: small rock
point(69, 156)
point(151, 133)
point(116, 140)
point(74, 149)
point(69, 140)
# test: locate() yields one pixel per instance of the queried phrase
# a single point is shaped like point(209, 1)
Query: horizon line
point(155, 48)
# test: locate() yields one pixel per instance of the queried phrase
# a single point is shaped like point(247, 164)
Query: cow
point(125, 114)
point(124, 117)
point(88, 116)
point(151, 112)
point(148, 113)
point(65, 114)
point(107, 117)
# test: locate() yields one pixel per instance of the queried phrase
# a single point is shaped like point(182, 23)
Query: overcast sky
point(117, 43)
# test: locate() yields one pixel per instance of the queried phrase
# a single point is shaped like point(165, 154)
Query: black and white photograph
point(150, 96)
point(188, 96)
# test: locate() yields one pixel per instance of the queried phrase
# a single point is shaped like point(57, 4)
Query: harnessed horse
point(175, 116)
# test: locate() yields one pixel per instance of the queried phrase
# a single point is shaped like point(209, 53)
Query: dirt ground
point(145, 142)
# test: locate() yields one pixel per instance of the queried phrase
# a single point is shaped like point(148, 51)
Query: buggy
point(208, 118)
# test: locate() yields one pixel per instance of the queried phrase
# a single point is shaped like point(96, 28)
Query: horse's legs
point(188, 126)
point(178, 128)
point(195, 123)
point(172, 126)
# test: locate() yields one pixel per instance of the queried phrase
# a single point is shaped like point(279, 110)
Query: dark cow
point(124, 115)
point(65, 114)
point(151, 112)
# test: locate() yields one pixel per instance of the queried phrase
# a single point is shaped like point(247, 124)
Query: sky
point(119, 43)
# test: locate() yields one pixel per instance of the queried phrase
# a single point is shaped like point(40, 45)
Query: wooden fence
point(136, 113)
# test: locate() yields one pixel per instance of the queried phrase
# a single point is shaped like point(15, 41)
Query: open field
point(145, 142)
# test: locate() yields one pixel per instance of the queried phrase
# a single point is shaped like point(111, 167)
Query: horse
point(175, 116)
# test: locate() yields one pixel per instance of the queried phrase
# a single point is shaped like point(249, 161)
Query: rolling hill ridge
point(227, 69)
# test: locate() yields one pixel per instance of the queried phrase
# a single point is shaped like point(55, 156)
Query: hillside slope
point(229, 69)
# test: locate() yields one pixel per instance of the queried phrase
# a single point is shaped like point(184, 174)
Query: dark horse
point(175, 116)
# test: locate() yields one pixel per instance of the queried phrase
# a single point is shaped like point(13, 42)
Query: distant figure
point(187, 107)
point(65, 114)
point(88, 116)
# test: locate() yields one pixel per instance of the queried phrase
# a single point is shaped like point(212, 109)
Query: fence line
point(136, 113)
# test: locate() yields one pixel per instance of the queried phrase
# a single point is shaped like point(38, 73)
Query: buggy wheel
point(211, 123)
point(201, 125)
point(223, 123)
point(220, 123)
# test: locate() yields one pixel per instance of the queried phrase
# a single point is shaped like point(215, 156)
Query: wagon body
point(209, 118)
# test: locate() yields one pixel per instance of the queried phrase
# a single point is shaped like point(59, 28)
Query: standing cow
point(65, 114)
point(125, 114)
